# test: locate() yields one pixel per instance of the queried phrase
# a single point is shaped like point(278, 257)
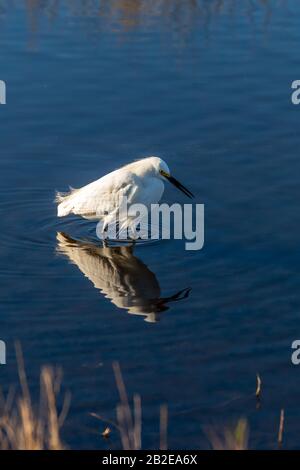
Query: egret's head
point(163, 171)
point(155, 165)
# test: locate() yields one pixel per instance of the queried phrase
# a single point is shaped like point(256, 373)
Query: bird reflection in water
point(120, 276)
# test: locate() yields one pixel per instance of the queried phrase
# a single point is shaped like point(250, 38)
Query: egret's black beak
point(178, 185)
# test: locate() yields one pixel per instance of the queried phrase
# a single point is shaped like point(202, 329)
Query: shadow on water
point(120, 276)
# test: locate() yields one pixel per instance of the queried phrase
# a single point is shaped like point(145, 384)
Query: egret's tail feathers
point(59, 197)
point(63, 196)
point(63, 200)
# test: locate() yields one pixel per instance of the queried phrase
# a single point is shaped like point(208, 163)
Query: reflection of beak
point(178, 185)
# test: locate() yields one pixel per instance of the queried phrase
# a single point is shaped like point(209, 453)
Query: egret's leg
point(104, 235)
point(105, 229)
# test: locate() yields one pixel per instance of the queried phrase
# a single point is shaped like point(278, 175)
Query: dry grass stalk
point(137, 404)
point(230, 439)
point(163, 427)
point(281, 428)
point(24, 428)
point(129, 423)
point(258, 386)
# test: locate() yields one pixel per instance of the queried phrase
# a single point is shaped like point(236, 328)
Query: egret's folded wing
point(99, 197)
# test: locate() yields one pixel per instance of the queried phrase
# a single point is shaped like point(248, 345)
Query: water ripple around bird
point(33, 214)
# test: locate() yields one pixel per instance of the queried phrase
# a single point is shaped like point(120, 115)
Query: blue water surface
point(206, 85)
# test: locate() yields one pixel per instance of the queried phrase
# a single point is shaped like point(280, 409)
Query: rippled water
point(92, 85)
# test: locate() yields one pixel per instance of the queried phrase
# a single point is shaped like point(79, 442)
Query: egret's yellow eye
point(176, 183)
point(163, 173)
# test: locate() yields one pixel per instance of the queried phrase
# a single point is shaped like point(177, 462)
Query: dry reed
point(281, 427)
point(22, 426)
point(230, 439)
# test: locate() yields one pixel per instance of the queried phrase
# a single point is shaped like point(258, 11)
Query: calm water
point(92, 85)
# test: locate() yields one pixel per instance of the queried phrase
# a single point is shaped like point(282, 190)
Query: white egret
point(141, 182)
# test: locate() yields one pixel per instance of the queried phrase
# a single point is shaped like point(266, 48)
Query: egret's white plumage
point(140, 182)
